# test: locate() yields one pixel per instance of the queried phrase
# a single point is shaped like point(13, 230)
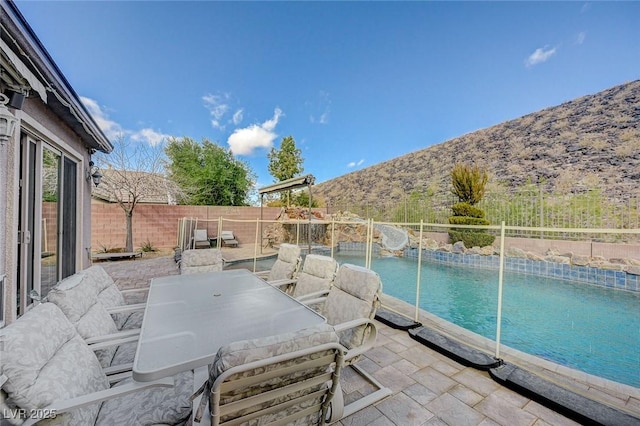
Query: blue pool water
point(589, 328)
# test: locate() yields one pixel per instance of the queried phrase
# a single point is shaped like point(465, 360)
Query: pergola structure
point(286, 185)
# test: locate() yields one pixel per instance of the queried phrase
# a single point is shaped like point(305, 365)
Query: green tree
point(469, 183)
point(208, 173)
point(286, 162)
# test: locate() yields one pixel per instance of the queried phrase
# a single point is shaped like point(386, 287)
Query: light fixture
point(7, 120)
point(93, 173)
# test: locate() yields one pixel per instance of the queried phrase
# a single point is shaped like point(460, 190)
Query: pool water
point(585, 327)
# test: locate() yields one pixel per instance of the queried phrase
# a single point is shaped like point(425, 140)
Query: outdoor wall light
point(93, 173)
point(7, 120)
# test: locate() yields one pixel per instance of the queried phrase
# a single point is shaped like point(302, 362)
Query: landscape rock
point(580, 260)
point(458, 247)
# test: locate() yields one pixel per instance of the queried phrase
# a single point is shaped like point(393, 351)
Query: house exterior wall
point(38, 123)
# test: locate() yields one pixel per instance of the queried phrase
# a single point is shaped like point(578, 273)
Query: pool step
point(571, 404)
point(393, 320)
point(462, 353)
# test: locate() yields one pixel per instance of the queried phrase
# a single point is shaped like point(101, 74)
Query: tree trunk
point(129, 244)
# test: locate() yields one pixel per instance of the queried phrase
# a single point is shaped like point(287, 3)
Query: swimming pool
point(585, 327)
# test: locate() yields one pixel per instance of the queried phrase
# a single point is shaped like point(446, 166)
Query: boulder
point(458, 248)
point(580, 260)
point(515, 252)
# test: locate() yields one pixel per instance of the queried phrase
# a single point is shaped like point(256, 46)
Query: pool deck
point(428, 388)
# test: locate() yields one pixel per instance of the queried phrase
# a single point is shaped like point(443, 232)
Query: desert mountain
point(587, 143)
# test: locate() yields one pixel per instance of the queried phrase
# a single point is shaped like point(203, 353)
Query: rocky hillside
point(590, 142)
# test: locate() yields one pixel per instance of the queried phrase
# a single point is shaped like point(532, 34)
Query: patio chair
point(77, 297)
point(228, 239)
point(286, 379)
point(195, 261)
point(126, 315)
point(201, 239)
point(286, 265)
point(48, 369)
point(350, 306)
point(315, 278)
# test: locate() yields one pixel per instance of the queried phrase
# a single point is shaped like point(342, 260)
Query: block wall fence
point(158, 223)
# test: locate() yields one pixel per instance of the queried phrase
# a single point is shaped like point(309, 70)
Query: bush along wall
point(466, 214)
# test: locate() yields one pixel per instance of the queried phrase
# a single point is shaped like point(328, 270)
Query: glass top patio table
point(189, 317)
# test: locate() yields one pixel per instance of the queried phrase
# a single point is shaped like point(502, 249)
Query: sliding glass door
point(47, 223)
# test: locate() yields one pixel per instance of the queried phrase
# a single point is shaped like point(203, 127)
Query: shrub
point(467, 220)
point(466, 209)
point(469, 182)
point(471, 239)
point(147, 247)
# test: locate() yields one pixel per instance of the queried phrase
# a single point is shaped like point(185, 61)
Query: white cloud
point(541, 54)
point(354, 164)
point(113, 130)
point(238, 116)
point(150, 136)
point(218, 107)
point(582, 36)
point(321, 107)
point(110, 128)
point(244, 141)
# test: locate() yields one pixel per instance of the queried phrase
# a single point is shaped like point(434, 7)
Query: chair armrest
point(322, 295)
point(262, 274)
point(367, 344)
point(115, 372)
point(127, 308)
point(108, 340)
point(59, 407)
point(313, 301)
point(133, 290)
point(118, 377)
point(282, 283)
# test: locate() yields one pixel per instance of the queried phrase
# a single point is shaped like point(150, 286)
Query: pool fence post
point(258, 241)
point(500, 283)
point(417, 315)
point(333, 228)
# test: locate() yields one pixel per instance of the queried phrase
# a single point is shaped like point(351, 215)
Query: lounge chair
point(289, 379)
point(48, 369)
point(195, 261)
point(286, 265)
point(228, 239)
point(350, 306)
point(201, 239)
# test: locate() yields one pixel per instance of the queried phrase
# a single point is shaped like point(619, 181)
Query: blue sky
point(355, 83)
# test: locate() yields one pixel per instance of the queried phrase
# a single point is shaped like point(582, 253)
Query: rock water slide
point(393, 238)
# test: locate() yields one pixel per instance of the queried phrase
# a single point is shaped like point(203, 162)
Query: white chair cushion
point(45, 360)
point(246, 351)
point(354, 295)
point(289, 253)
point(155, 406)
point(80, 305)
point(109, 294)
point(203, 257)
point(320, 266)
